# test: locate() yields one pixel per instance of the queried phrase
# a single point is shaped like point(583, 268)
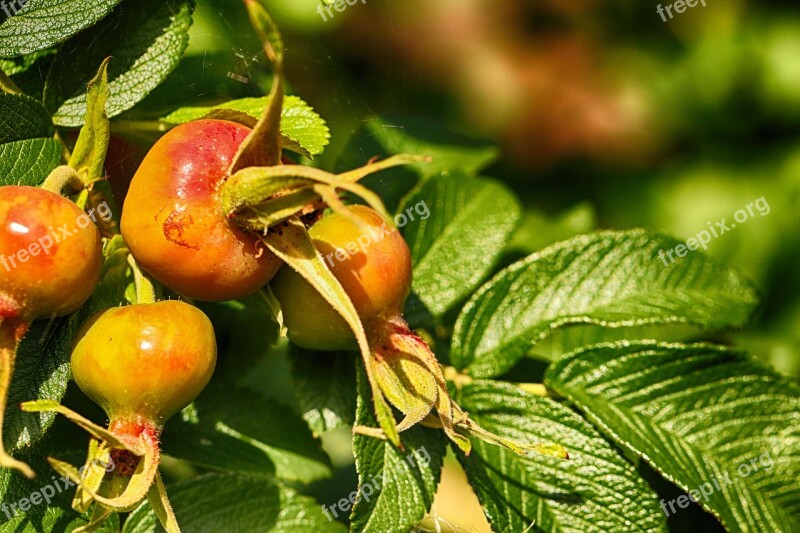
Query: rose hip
point(173, 223)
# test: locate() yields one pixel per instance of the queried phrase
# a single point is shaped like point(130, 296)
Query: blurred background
point(606, 117)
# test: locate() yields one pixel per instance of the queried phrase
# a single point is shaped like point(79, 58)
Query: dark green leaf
point(708, 418)
point(466, 224)
point(383, 137)
point(388, 136)
point(42, 372)
point(22, 117)
point(304, 131)
point(595, 490)
point(42, 23)
point(325, 385)
point(145, 39)
point(20, 64)
point(28, 162)
point(240, 430)
point(246, 334)
point(235, 502)
point(395, 487)
point(609, 279)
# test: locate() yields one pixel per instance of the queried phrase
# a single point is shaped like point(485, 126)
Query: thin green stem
point(63, 177)
point(9, 342)
point(127, 126)
point(66, 154)
point(160, 504)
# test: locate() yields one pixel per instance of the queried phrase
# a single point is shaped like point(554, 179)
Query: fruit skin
point(373, 266)
point(145, 362)
point(173, 223)
point(62, 274)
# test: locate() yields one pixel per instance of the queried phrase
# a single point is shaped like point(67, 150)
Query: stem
point(140, 125)
point(98, 432)
point(83, 199)
point(66, 154)
point(145, 289)
point(99, 516)
point(160, 504)
point(61, 178)
point(262, 147)
point(9, 342)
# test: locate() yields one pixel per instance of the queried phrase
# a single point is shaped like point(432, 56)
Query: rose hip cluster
point(212, 213)
point(136, 361)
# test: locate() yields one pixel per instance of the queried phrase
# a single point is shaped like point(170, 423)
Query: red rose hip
point(174, 225)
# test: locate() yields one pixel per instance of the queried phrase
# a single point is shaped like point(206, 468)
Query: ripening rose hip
point(50, 255)
point(50, 259)
point(145, 362)
point(373, 265)
point(174, 225)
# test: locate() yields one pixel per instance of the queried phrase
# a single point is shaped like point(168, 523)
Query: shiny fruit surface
point(145, 361)
point(50, 254)
point(174, 225)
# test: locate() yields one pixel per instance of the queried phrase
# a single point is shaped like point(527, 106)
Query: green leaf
point(610, 279)
point(383, 137)
point(706, 417)
point(22, 117)
point(43, 23)
point(324, 384)
point(145, 39)
point(28, 162)
point(595, 490)
point(395, 487)
point(304, 131)
point(42, 372)
point(246, 334)
point(17, 65)
point(240, 430)
point(89, 154)
point(388, 136)
point(115, 277)
point(455, 246)
point(235, 502)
